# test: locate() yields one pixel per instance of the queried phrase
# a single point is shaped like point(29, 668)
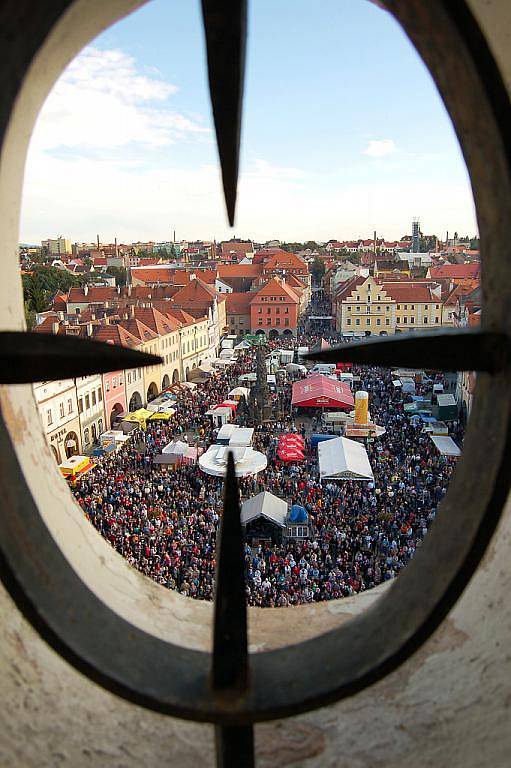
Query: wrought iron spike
point(454, 350)
point(234, 746)
point(225, 27)
point(27, 357)
point(230, 645)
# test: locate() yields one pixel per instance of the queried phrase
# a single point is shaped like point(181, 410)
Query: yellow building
point(369, 306)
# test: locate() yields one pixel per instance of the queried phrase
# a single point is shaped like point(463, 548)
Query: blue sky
point(343, 132)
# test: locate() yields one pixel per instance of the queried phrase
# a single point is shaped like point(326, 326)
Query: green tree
point(120, 275)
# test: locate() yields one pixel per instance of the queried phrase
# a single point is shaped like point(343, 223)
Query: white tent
point(176, 447)
point(239, 392)
point(266, 505)
point(343, 459)
point(241, 436)
point(445, 445)
point(246, 461)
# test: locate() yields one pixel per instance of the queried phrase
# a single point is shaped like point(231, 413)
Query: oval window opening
point(355, 220)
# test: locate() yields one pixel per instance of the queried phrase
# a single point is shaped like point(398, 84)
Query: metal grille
point(231, 688)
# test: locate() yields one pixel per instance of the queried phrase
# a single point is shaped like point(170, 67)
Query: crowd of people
point(164, 519)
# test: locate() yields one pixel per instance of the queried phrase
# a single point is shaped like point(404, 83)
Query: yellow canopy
point(161, 415)
point(138, 417)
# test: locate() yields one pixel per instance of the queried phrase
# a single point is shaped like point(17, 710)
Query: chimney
point(128, 292)
point(106, 320)
point(85, 290)
point(97, 236)
point(132, 310)
point(55, 327)
point(116, 249)
point(89, 329)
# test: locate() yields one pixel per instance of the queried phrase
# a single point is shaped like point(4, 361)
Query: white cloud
point(104, 101)
point(380, 148)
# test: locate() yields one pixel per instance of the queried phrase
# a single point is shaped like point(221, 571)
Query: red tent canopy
point(292, 439)
point(322, 392)
point(290, 454)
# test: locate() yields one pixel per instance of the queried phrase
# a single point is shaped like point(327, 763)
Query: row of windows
point(398, 306)
point(97, 397)
point(134, 375)
point(62, 411)
point(368, 321)
point(272, 298)
point(116, 381)
point(387, 321)
point(269, 321)
point(268, 310)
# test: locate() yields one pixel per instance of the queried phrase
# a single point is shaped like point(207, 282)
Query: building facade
point(58, 409)
point(91, 412)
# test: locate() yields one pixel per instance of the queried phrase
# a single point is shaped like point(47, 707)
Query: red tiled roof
point(239, 270)
point(275, 287)
point(155, 320)
point(115, 334)
point(138, 329)
point(238, 303)
point(158, 275)
point(410, 292)
point(181, 316)
point(456, 271)
point(95, 295)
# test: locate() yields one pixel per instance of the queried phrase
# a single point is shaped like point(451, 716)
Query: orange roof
point(238, 303)
point(239, 270)
point(138, 329)
point(158, 275)
point(418, 293)
point(179, 314)
point(95, 295)
point(276, 287)
point(456, 271)
point(155, 320)
point(115, 334)
point(196, 292)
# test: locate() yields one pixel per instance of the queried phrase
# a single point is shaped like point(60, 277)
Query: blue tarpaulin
point(298, 514)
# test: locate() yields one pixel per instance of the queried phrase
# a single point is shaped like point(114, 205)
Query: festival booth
point(204, 372)
point(246, 461)
point(138, 418)
point(237, 437)
point(247, 377)
point(298, 523)
point(446, 408)
point(220, 415)
point(320, 391)
point(178, 452)
point(445, 445)
point(242, 346)
point(263, 518)
point(343, 459)
point(238, 392)
point(75, 467)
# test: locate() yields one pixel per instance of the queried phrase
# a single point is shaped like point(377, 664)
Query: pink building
point(114, 395)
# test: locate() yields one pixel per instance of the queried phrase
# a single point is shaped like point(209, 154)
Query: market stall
point(343, 459)
point(321, 392)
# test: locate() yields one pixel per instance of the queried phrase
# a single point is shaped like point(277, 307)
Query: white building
point(58, 408)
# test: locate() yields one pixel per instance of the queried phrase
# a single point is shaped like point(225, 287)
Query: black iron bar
point(29, 357)
point(225, 28)
point(451, 350)
point(234, 744)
